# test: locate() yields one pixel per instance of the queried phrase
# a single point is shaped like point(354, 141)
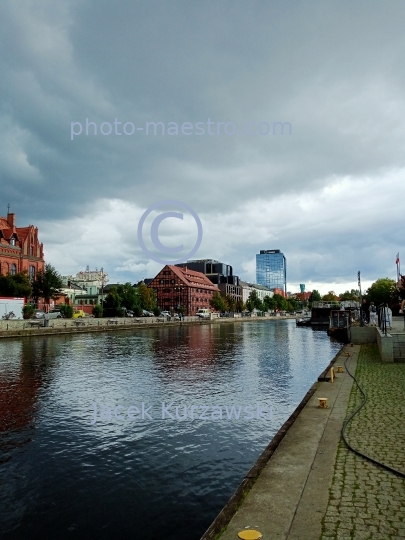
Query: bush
point(156, 312)
point(137, 311)
point(97, 311)
point(28, 311)
point(66, 311)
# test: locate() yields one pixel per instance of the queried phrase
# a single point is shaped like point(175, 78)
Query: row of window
point(12, 269)
point(171, 282)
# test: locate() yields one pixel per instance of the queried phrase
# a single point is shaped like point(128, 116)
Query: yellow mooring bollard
point(322, 402)
point(340, 369)
point(332, 374)
point(250, 534)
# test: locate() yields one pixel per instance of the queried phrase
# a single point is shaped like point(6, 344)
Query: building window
point(32, 272)
point(13, 269)
point(31, 251)
point(161, 281)
point(12, 241)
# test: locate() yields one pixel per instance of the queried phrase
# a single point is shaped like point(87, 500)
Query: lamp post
point(361, 300)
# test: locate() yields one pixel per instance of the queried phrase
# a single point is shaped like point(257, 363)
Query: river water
point(67, 471)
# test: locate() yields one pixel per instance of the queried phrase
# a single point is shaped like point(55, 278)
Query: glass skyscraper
point(271, 269)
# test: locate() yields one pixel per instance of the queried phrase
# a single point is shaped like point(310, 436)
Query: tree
point(381, 291)
point(97, 311)
point(269, 303)
point(129, 297)
point(280, 302)
point(147, 297)
point(230, 302)
point(217, 302)
point(315, 296)
point(292, 304)
point(28, 311)
point(112, 302)
point(18, 285)
point(47, 284)
point(240, 306)
point(330, 297)
point(353, 295)
point(254, 302)
point(66, 311)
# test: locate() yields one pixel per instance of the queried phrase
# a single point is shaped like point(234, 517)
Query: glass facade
point(271, 269)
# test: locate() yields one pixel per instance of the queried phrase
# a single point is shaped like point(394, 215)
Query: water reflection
point(68, 478)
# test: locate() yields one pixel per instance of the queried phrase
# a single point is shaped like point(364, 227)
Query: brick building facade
point(180, 287)
point(20, 249)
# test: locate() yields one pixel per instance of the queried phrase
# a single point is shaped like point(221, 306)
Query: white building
point(261, 290)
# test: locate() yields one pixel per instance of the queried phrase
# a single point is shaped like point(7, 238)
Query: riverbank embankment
point(313, 487)
point(22, 328)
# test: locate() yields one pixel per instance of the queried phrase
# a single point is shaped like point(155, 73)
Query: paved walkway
point(367, 502)
point(313, 487)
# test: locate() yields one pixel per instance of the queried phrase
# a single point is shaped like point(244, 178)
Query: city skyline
point(315, 167)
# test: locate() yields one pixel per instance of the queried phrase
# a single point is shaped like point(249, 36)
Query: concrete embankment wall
point(372, 334)
point(21, 328)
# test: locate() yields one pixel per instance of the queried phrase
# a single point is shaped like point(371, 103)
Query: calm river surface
point(62, 475)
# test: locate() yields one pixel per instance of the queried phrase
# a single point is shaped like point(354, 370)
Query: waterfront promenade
point(313, 487)
point(20, 328)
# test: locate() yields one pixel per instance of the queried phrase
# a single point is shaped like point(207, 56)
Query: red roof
point(191, 277)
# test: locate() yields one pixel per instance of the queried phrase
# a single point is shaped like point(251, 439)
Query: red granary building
point(182, 288)
point(20, 249)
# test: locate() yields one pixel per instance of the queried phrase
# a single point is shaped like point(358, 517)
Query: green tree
point(280, 302)
point(112, 302)
point(230, 302)
point(254, 302)
point(147, 297)
point(28, 311)
point(269, 303)
point(47, 284)
point(381, 291)
point(353, 295)
point(330, 297)
point(97, 311)
point(217, 302)
point(18, 285)
point(129, 297)
point(292, 304)
point(239, 306)
point(315, 296)
point(66, 311)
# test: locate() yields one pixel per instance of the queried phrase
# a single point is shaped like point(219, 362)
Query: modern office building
point(271, 269)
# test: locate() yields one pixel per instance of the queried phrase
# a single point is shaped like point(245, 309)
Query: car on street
point(78, 314)
point(204, 313)
point(165, 314)
point(147, 313)
point(38, 314)
point(129, 313)
point(53, 314)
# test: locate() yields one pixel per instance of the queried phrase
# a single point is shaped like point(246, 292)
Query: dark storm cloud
point(335, 72)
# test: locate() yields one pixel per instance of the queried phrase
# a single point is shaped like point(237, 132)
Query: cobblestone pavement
point(366, 501)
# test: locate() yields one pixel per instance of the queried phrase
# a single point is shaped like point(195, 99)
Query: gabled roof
point(191, 278)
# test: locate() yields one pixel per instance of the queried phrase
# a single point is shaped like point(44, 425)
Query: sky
point(326, 187)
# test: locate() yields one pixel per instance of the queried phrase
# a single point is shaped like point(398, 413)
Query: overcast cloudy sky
point(330, 195)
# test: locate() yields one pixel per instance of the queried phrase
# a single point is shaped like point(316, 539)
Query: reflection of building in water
point(196, 347)
point(20, 382)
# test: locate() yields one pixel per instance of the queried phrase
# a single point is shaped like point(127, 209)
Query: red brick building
point(20, 248)
point(177, 287)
